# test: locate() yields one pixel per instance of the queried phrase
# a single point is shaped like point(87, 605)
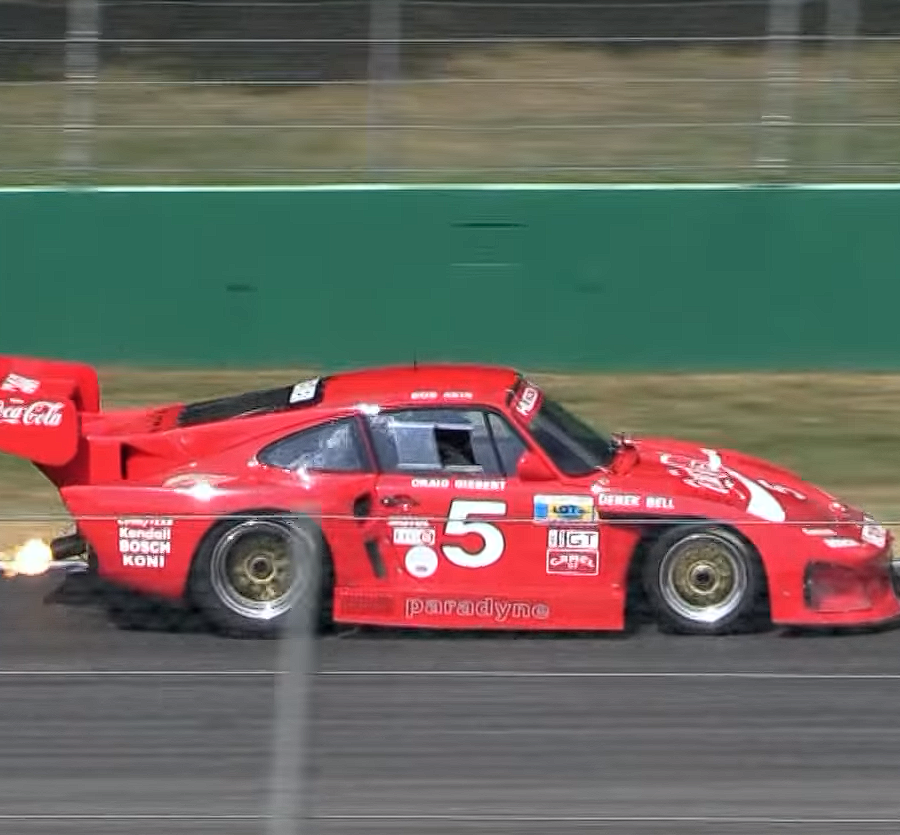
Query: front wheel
point(249, 575)
point(704, 581)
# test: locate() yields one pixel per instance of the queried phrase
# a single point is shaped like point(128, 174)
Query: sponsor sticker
point(441, 395)
point(874, 535)
point(490, 608)
point(18, 383)
point(577, 563)
point(304, 391)
point(145, 543)
point(573, 552)
point(528, 401)
point(569, 509)
point(819, 531)
point(705, 475)
point(567, 538)
point(841, 542)
point(14, 411)
point(421, 561)
point(414, 536)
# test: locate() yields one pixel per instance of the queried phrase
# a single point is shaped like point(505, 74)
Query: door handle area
point(402, 501)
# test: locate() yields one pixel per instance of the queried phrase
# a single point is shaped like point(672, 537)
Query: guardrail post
point(777, 116)
point(385, 28)
point(81, 64)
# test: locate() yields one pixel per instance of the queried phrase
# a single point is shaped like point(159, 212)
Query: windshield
point(576, 448)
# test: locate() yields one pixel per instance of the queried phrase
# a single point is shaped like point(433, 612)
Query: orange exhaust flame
point(30, 559)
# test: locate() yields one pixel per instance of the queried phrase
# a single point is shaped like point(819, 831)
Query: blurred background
point(164, 728)
point(323, 91)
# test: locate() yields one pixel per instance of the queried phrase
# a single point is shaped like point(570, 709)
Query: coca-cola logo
point(698, 473)
point(40, 413)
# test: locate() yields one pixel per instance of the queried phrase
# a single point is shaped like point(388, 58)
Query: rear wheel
point(250, 575)
point(703, 580)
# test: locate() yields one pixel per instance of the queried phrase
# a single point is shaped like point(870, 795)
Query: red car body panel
point(533, 549)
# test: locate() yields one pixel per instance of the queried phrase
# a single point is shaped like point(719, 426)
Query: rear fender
point(145, 538)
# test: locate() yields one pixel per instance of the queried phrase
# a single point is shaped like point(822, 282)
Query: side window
point(509, 445)
point(432, 440)
point(333, 447)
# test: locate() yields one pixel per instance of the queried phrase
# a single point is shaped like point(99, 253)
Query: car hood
point(690, 475)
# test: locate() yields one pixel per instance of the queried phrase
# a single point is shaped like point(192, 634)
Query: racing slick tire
point(703, 580)
point(251, 575)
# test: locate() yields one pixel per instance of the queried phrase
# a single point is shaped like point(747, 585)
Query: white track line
point(112, 816)
point(588, 674)
point(611, 819)
point(488, 674)
point(718, 820)
point(137, 673)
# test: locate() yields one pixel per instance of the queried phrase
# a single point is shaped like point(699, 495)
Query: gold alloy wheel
point(703, 578)
point(253, 570)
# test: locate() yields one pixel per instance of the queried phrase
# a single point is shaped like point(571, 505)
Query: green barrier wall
point(597, 278)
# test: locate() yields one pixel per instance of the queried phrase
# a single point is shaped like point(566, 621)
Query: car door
point(458, 530)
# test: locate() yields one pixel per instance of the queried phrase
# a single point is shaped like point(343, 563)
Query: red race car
point(439, 496)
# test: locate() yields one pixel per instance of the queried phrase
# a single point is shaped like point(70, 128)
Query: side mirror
point(532, 468)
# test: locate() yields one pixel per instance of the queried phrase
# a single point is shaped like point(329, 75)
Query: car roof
point(384, 387)
point(396, 385)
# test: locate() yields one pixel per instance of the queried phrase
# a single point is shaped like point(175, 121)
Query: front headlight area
point(857, 582)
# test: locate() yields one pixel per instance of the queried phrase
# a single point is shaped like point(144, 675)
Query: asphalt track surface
point(170, 731)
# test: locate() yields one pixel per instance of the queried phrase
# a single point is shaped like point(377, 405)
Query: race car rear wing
point(41, 402)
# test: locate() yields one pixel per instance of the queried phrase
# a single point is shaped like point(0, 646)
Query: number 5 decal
point(457, 525)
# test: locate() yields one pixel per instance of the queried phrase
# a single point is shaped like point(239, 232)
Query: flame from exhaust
point(31, 559)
